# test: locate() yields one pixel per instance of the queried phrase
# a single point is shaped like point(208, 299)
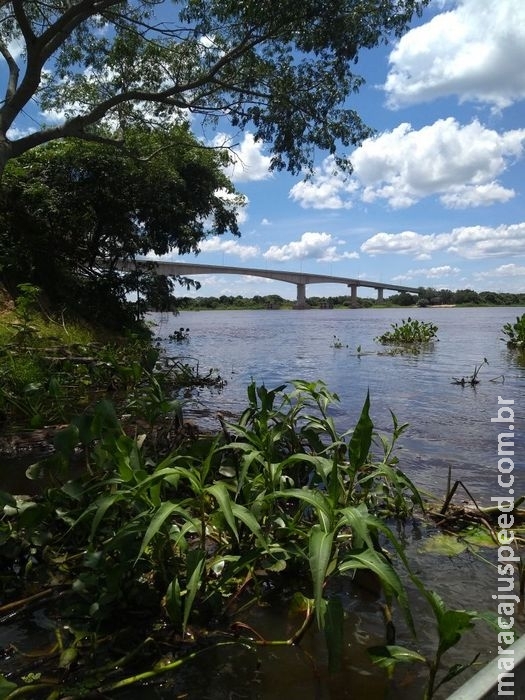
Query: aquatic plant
point(337, 343)
point(515, 333)
point(280, 499)
point(473, 378)
point(409, 332)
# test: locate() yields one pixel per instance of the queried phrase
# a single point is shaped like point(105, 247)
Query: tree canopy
point(283, 68)
point(72, 211)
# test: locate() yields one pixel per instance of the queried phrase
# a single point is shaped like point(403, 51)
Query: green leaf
point(359, 446)
point(376, 562)
point(156, 523)
point(220, 493)
point(388, 656)
point(451, 626)
point(67, 657)
point(7, 500)
point(319, 556)
point(66, 440)
point(192, 588)
point(316, 499)
point(245, 516)
point(174, 603)
point(6, 688)
point(103, 506)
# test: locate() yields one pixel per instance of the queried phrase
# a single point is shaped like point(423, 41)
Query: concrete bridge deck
point(300, 279)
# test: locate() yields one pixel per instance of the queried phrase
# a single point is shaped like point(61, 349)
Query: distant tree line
point(426, 296)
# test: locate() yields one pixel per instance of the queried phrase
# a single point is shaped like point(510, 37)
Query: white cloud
point(469, 242)
point(475, 51)
point(319, 246)
point(507, 278)
point(458, 163)
point(430, 272)
point(328, 189)
point(230, 247)
point(248, 163)
point(511, 270)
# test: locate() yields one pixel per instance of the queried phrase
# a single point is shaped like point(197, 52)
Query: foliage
point(50, 369)
point(410, 331)
point(282, 69)
point(281, 500)
point(72, 212)
point(515, 333)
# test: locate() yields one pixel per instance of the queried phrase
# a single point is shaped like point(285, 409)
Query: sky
point(436, 197)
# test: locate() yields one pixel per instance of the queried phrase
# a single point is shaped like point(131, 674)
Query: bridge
point(300, 279)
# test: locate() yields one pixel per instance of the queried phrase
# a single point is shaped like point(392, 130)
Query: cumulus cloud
point(511, 270)
point(475, 51)
point(329, 189)
point(508, 277)
point(248, 162)
point(230, 247)
point(319, 246)
point(469, 242)
point(429, 272)
point(458, 163)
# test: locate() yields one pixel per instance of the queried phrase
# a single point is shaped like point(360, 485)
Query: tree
point(284, 68)
point(72, 211)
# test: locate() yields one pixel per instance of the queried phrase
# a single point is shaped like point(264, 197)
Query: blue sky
point(437, 196)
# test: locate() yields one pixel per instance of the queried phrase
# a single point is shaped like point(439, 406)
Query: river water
point(449, 425)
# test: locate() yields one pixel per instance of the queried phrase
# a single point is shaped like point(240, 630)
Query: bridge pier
point(353, 294)
point(380, 292)
point(301, 296)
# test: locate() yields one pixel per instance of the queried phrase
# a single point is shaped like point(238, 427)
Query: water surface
point(449, 425)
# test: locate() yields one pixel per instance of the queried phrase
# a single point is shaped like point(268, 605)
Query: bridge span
point(300, 279)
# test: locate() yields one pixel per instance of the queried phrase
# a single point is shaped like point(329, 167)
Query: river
point(449, 425)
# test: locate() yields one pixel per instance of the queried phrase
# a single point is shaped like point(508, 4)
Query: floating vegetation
point(515, 334)
point(410, 331)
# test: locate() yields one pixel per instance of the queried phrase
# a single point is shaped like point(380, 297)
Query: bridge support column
point(353, 294)
point(301, 296)
point(380, 292)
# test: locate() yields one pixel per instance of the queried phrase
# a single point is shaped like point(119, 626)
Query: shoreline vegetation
point(427, 298)
point(148, 543)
